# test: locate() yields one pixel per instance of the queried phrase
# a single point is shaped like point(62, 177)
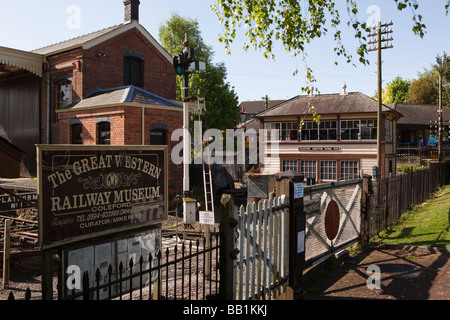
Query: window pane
point(328, 170)
point(104, 134)
point(77, 133)
point(328, 130)
point(63, 93)
point(287, 165)
point(309, 168)
point(349, 170)
point(158, 137)
point(132, 71)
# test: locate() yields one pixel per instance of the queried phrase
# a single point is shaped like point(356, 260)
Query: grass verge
point(427, 224)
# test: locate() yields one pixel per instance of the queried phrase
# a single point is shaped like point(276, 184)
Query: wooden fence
point(392, 197)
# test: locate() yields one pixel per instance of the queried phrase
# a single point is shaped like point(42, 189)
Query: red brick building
point(113, 86)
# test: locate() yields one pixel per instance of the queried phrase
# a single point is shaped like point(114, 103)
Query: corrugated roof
point(78, 41)
point(122, 95)
point(88, 40)
point(353, 102)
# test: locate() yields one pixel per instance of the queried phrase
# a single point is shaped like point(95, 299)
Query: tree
point(442, 66)
point(296, 23)
point(395, 91)
point(422, 91)
point(222, 103)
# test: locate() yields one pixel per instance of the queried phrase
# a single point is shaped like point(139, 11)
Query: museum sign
point(91, 191)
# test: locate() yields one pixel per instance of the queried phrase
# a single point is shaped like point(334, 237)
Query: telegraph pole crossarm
point(381, 39)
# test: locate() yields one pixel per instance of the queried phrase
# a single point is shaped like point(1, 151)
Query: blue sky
point(31, 24)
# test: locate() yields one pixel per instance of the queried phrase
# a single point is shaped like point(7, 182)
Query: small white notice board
point(298, 190)
point(206, 217)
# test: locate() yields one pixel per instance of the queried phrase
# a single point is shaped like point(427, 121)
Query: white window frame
point(328, 165)
point(309, 168)
point(284, 130)
point(389, 130)
point(64, 93)
point(328, 130)
point(371, 125)
point(349, 165)
point(287, 165)
point(362, 124)
point(309, 127)
point(342, 129)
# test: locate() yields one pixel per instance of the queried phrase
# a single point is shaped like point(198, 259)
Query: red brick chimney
point(131, 10)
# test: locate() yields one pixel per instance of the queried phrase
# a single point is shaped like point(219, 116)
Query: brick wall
point(126, 129)
point(106, 70)
point(102, 67)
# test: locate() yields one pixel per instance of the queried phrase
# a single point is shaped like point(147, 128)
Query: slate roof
point(122, 95)
point(352, 102)
point(419, 114)
point(254, 107)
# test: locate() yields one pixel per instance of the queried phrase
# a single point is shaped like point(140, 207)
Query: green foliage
point(422, 91)
point(395, 91)
point(297, 23)
point(424, 225)
point(222, 102)
point(172, 35)
point(406, 168)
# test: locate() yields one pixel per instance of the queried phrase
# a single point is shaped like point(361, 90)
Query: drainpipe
point(143, 126)
point(48, 106)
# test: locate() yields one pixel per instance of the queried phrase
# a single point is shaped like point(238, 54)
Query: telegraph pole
point(380, 40)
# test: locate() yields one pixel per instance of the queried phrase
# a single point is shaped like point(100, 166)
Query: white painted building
point(338, 146)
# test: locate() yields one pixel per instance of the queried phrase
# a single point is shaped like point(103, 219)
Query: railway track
point(23, 231)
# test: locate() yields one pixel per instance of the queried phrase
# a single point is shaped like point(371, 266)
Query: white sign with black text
point(206, 217)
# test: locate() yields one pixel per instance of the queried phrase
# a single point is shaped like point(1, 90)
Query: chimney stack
point(344, 89)
point(131, 10)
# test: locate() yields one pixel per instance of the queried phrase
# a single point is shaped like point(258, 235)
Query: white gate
point(325, 234)
point(260, 270)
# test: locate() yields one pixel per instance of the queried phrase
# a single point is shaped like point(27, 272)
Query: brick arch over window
point(133, 69)
point(103, 130)
point(76, 131)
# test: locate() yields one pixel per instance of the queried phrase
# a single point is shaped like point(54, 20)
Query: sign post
point(291, 183)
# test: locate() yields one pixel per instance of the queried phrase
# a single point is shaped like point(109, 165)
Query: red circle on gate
point(332, 220)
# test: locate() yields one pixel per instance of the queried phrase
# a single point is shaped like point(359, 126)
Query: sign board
point(8, 202)
point(92, 191)
point(298, 190)
point(300, 241)
point(319, 149)
point(312, 206)
point(206, 217)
